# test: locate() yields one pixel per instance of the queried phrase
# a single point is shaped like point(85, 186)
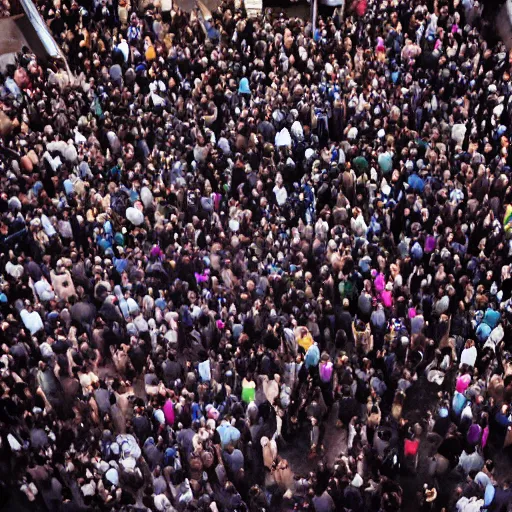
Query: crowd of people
point(224, 238)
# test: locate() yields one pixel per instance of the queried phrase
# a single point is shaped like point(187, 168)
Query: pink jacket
point(380, 282)
point(387, 298)
point(169, 412)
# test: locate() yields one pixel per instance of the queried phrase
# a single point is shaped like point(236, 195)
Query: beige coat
point(271, 389)
point(364, 339)
point(269, 452)
point(283, 475)
point(374, 419)
point(63, 285)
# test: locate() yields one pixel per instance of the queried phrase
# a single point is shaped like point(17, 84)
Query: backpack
point(390, 464)
point(207, 204)
point(118, 202)
point(362, 391)
point(170, 456)
point(458, 403)
point(193, 204)
point(347, 289)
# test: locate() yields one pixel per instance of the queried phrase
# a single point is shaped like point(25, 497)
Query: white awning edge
point(46, 38)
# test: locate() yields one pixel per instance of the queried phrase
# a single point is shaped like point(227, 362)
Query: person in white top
point(280, 191)
point(469, 354)
point(357, 223)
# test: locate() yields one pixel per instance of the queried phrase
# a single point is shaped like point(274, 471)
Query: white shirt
point(469, 505)
point(359, 226)
point(125, 49)
point(15, 271)
point(32, 321)
point(297, 131)
point(65, 229)
point(283, 138)
point(46, 350)
point(44, 290)
point(166, 5)
point(472, 461)
point(47, 225)
point(281, 195)
point(468, 356)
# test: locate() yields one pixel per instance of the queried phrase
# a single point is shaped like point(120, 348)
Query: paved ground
point(16, 32)
point(422, 398)
point(11, 41)
point(335, 443)
point(299, 9)
point(190, 5)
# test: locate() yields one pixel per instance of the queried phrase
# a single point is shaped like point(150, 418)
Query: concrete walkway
point(335, 444)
